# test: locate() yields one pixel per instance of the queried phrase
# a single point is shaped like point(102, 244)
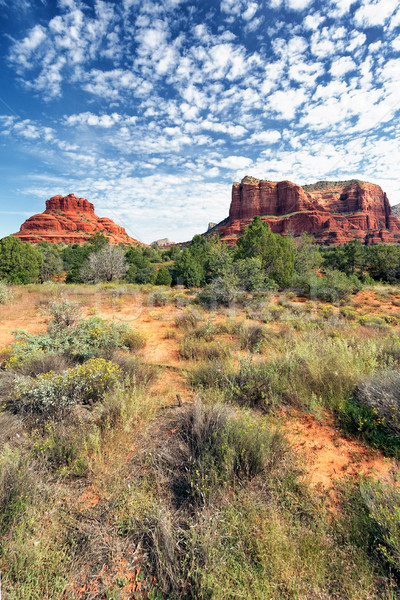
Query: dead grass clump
point(214, 374)
point(189, 319)
point(212, 448)
point(252, 337)
point(135, 370)
point(193, 349)
point(205, 332)
point(44, 363)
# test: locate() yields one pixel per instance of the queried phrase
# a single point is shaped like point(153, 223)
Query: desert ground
point(95, 508)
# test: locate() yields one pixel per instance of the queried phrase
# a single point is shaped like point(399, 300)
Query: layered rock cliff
point(71, 220)
point(332, 212)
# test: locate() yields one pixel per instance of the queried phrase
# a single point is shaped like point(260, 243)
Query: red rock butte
point(71, 220)
point(331, 212)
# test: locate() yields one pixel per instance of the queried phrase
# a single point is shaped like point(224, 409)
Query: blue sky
point(151, 109)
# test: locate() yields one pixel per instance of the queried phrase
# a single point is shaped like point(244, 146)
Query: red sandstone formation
point(71, 220)
point(332, 212)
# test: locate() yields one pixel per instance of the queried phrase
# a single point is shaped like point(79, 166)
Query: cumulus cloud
point(158, 92)
point(375, 12)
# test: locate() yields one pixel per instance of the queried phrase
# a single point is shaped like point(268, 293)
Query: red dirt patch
point(328, 455)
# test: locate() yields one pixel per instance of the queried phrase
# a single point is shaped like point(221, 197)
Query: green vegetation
point(19, 262)
point(110, 487)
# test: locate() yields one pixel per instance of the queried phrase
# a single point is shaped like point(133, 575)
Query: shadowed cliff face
point(71, 220)
point(332, 212)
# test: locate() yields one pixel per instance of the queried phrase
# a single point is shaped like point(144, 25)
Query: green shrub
point(52, 395)
point(257, 385)
point(205, 332)
point(216, 374)
point(16, 487)
point(349, 313)
point(333, 287)
point(86, 339)
point(163, 277)
point(159, 298)
point(64, 316)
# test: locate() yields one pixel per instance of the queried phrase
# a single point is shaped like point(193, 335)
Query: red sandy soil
point(328, 455)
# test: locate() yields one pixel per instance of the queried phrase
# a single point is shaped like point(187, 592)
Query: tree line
point(260, 260)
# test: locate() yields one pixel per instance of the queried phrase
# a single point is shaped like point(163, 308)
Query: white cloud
point(286, 103)
point(88, 118)
point(313, 21)
point(298, 4)
point(342, 66)
point(266, 137)
point(234, 163)
point(375, 12)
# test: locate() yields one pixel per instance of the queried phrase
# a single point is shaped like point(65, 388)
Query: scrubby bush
point(381, 395)
point(64, 316)
point(74, 337)
point(222, 291)
point(382, 501)
point(133, 340)
point(6, 293)
point(257, 385)
point(372, 321)
point(215, 374)
point(159, 298)
point(333, 287)
point(16, 487)
point(52, 395)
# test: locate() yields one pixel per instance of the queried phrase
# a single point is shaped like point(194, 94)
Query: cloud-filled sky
point(150, 109)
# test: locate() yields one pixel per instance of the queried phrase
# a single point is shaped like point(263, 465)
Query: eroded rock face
point(71, 220)
point(332, 212)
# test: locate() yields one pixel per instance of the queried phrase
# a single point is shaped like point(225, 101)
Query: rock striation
point(331, 212)
point(71, 220)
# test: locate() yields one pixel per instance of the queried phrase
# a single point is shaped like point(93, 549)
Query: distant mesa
point(211, 226)
point(163, 243)
point(332, 212)
point(396, 210)
point(71, 220)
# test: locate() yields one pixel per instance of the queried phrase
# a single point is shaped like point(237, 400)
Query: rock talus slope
point(332, 212)
point(71, 220)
